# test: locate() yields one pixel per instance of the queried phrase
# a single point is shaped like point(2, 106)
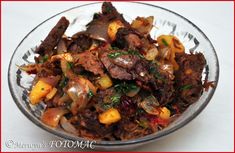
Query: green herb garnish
point(114, 101)
point(129, 52)
point(115, 48)
point(69, 65)
point(106, 106)
point(164, 42)
point(142, 123)
point(90, 94)
point(63, 82)
point(125, 87)
point(186, 87)
point(44, 59)
point(115, 54)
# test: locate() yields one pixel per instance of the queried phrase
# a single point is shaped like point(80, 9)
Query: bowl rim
point(115, 143)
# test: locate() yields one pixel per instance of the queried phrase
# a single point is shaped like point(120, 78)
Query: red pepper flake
point(155, 120)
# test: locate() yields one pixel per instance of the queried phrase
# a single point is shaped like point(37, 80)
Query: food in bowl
point(113, 81)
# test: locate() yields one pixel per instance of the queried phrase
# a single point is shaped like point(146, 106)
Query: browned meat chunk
point(81, 42)
point(189, 76)
point(115, 71)
point(53, 37)
point(126, 61)
point(89, 121)
point(90, 61)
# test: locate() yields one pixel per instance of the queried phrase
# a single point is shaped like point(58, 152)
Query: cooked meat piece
point(90, 61)
point(126, 66)
point(133, 41)
point(127, 38)
point(126, 61)
point(128, 129)
point(98, 27)
point(89, 120)
point(188, 77)
point(53, 37)
point(115, 71)
point(110, 11)
point(165, 92)
point(81, 42)
point(141, 71)
point(108, 8)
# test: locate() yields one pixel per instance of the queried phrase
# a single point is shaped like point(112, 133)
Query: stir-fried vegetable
point(169, 45)
point(143, 25)
point(51, 94)
point(39, 91)
point(150, 105)
point(52, 116)
point(113, 28)
point(110, 116)
point(165, 113)
point(104, 82)
point(113, 81)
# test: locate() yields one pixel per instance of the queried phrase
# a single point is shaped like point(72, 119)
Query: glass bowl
point(166, 22)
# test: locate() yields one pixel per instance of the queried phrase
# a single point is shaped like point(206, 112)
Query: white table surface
point(212, 130)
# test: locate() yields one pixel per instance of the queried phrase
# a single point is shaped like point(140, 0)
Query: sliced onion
point(52, 116)
point(61, 47)
point(67, 126)
point(30, 69)
point(150, 105)
point(78, 93)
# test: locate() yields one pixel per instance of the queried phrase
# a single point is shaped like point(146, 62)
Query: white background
point(212, 130)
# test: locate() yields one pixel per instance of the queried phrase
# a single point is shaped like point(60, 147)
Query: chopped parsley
point(164, 42)
point(114, 101)
point(44, 59)
point(186, 87)
point(125, 87)
point(69, 65)
point(90, 94)
point(63, 82)
point(129, 52)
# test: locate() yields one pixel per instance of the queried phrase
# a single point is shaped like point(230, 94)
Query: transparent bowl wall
point(166, 22)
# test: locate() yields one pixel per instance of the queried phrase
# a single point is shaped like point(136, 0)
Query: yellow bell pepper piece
point(104, 82)
point(110, 116)
point(51, 94)
point(39, 91)
point(165, 113)
point(113, 28)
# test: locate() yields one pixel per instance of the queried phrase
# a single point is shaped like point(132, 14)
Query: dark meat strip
point(188, 77)
point(53, 37)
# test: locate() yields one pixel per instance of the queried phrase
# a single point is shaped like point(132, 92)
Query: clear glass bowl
point(166, 22)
